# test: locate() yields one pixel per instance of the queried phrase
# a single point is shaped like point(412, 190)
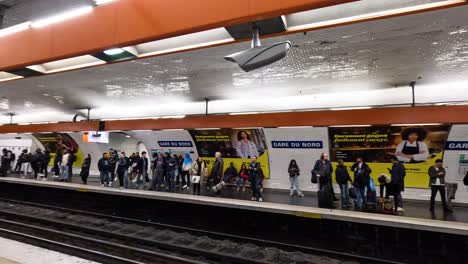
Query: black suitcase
point(325, 198)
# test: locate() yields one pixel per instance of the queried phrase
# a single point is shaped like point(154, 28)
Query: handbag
point(313, 179)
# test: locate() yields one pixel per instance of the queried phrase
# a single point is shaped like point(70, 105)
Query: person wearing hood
point(186, 166)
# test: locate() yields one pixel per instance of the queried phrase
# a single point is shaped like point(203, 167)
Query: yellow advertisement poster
point(417, 147)
point(235, 145)
point(57, 142)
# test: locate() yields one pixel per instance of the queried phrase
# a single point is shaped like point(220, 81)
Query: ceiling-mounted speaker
point(259, 56)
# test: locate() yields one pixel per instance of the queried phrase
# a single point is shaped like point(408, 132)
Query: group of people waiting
point(26, 163)
point(174, 173)
point(362, 189)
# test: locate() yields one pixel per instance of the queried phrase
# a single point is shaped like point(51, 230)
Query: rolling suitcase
point(371, 201)
point(325, 197)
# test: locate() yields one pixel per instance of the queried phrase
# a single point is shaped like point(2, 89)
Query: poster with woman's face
point(235, 145)
point(416, 146)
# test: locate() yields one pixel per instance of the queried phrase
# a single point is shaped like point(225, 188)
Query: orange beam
point(55, 127)
point(129, 22)
point(378, 116)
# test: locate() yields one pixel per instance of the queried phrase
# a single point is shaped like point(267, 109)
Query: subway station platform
point(373, 235)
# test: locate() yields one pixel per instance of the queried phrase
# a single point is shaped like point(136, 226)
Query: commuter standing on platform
point(294, 173)
point(256, 174)
point(437, 184)
point(45, 164)
point(398, 173)
point(6, 161)
point(217, 170)
point(84, 173)
point(57, 163)
point(171, 165)
point(186, 166)
point(195, 182)
point(199, 167)
point(323, 169)
point(123, 163)
point(19, 163)
point(36, 162)
point(25, 158)
point(64, 166)
point(104, 168)
point(361, 180)
point(342, 178)
point(71, 161)
point(142, 169)
point(114, 156)
point(158, 176)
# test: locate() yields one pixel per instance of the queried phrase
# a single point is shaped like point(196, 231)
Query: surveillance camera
point(259, 56)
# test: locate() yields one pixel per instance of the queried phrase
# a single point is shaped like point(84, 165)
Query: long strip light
point(422, 124)
point(375, 15)
point(350, 108)
point(16, 28)
point(103, 2)
point(5, 76)
point(62, 17)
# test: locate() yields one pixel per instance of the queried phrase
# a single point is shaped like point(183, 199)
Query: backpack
point(465, 180)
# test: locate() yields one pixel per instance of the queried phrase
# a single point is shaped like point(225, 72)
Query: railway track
point(112, 239)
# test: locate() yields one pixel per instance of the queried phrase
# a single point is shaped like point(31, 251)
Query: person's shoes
point(291, 194)
point(243, 189)
point(431, 209)
point(185, 187)
point(237, 189)
point(110, 184)
point(260, 199)
point(102, 184)
point(301, 195)
point(448, 210)
point(399, 209)
point(254, 199)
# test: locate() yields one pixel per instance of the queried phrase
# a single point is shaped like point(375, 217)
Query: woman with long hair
point(294, 173)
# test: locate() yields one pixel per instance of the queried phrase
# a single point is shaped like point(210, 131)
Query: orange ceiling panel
point(127, 22)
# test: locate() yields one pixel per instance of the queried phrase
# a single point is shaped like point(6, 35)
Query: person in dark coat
point(217, 170)
point(171, 166)
point(36, 162)
point(323, 170)
point(84, 173)
point(437, 184)
point(256, 175)
point(123, 163)
point(104, 169)
point(57, 162)
point(143, 166)
point(45, 163)
point(342, 178)
point(398, 173)
point(361, 180)
point(71, 159)
point(5, 163)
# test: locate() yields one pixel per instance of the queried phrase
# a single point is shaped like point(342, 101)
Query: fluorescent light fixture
point(103, 2)
point(5, 76)
point(245, 113)
point(115, 51)
point(374, 15)
point(128, 136)
point(209, 128)
point(352, 126)
point(295, 127)
point(62, 17)
point(17, 28)
point(426, 124)
point(67, 64)
point(350, 108)
point(175, 117)
point(184, 42)
point(173, 129)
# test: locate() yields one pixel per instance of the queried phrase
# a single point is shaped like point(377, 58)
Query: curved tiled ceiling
point(371, 55)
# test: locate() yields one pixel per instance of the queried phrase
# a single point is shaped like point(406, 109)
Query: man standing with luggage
point(323, 169)
point(437, 184)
